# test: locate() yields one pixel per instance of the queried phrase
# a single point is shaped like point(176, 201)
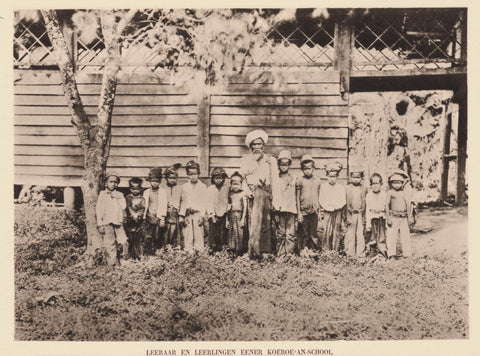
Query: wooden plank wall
point(153, 123)
point(304, 114)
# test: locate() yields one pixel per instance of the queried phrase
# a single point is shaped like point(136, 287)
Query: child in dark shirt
point(134, 226)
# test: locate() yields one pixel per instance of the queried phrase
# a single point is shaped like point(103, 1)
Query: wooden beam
point(343, 54)
point(446, 125)
point(462, 149)
point(203, 135)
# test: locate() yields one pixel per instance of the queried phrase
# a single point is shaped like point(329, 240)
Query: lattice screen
point(414, 39)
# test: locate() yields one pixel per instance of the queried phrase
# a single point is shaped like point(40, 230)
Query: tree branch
point(65, 66)
point(126, 20)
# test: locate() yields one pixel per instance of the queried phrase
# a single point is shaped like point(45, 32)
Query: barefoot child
point(375, 212)
point(134, 225)
point(285, 206)
point(399, 215)
point(307, 195)
point(217, 209)
point(237, 213)
point(111, 215)
point(155, 211)
point(193, 209)
point(173, 235)
point(355, 194)
point(332, 200)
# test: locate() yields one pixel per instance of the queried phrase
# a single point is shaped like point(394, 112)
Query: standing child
point(111, 214)
point(173, 231)
point(236, 215)
point(376, 207)
point(134, 225)
point(355, 194)
point(285, 206)
point(155, 211)
point(307, 196)
point(217, 209)
point(332, 200)
point(399, 215)
point(193, 210)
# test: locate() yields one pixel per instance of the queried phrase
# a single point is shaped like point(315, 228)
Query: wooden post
point(447, 128)
point(462, 145)
point(69, 198)
point(343, 42)
point(203, 135)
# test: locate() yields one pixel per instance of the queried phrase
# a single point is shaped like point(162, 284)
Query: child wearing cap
point(236, 216)
point(155, 211)
point(355, 214)
point(375, 213)
point(332, 201)
point(134, 225)
point(399, 215)
point(217, 204)
point(173, 232)
point(307, 197)
point(284, 206)
point(111, 214)
point(193, 210)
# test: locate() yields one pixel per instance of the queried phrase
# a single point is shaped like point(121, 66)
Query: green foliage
point(47, 239)
point(176, 296)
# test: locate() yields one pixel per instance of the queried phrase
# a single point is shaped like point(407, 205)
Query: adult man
point(260, 171)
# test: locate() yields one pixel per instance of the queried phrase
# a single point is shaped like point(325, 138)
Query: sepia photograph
point(240, 174)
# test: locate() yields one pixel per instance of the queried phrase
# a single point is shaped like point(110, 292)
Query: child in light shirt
point(217, 209)
point(155, 211)
point(399, 215)
point(193, 209)
point(355, 214)
point(111, 215)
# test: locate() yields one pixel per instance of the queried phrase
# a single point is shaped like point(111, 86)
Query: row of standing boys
point(356, 221)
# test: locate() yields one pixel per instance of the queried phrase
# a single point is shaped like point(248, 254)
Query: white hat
point(306, 158)
point(253, 135)
point(285, 154)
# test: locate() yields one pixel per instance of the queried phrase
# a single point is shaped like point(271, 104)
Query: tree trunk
point(95, 140)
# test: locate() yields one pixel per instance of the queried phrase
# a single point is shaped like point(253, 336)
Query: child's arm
point(387, 210)
point(162, 206)
point(368, 215)
point(182, 210)
point(244, 210)
point(99, 209)
point(298, 191)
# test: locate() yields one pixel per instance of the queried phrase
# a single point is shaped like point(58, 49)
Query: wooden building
point(303, 103)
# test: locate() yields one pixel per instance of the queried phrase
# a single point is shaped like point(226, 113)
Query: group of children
point(356, 221)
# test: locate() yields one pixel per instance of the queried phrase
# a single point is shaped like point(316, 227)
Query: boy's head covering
point(285, 154)
point(155, 173)
point(356, 170)
point(253, 135)
point(306, 158)
point(135, 180)
point(218, 172)
point(112, 174)
point(333, 167)
point(398, 175)
point(192, 165)
point(237, 174)
point(172, 170)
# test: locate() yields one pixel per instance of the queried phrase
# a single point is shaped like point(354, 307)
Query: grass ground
point(173, 296)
